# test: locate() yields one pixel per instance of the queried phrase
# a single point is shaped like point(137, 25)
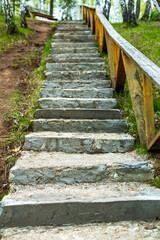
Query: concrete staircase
point(78, 165)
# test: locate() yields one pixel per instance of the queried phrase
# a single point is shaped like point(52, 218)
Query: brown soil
point(13, 75)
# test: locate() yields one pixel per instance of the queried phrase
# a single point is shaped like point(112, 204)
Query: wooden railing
point(124, 61)
point(39, 13)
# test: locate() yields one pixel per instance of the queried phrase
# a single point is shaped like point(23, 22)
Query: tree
point(131, 14)
point(51, 7)
point(8, 17)
point(124, 10)
point(106, 8)
point(66, 6)
point(147, 10)
point(157, 6)
point(23, 12)
point(97, 2)
point(138, 7)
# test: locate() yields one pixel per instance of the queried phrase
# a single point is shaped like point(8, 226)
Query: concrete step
point(42, 168)
point(77, 93)
point(52, 67)
point(79, 142)
point(87, 103)
point(78, 113)
point(76, 84)
point(74, 50)
point(60, 205)
point(77, 75)
point(80, 125)
point(125, 230)
point(75, 60)
point(75, 45)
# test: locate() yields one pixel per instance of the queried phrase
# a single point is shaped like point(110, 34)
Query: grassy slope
point(146, 38)
point(6, 40)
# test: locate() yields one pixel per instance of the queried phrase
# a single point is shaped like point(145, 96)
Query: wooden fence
point(124, 61)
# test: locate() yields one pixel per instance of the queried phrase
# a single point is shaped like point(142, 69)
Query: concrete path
point(79, 165)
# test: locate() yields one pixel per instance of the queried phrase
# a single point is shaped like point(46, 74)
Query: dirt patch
point(13, 75)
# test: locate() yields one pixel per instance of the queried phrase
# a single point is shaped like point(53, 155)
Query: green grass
point(145, 37)
point(23, 109)
point(8, 41)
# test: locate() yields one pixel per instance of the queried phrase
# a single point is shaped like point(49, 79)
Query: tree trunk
point(147, 10)
point(98, 2)
point(23, 13)
point(138, 7)
point(131, 14)
point(106, 8)
point(124, 10)
point(157, 6)
point(8, 17)
point(51, 7)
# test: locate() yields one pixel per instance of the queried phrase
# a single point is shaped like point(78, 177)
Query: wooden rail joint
point(125, 62)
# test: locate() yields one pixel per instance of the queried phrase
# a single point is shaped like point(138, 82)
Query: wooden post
point(148, 109)
point(96, 27)
point(136, 93)
point(109, 44)
point(119, 74)
point(92, 21)
point(101, 37)
point(51, 7)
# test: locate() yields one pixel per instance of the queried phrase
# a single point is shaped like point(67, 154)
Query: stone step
point(75, 39)
point(79, 142)
point(76, 84)
point(77, 75)
point(75, 60)
point(77, 93)
point(70, 34)
point(80, 125)
point(125, 230)
point(78, 113)
point(74, 50)
point(73, 31)
point(52, 67)
point(70, 23)
point(78, 37)
point(72, 28)
point(87, 103)
point(74, 55)
point(42, 168)
point(75, 45)
point(47, 205)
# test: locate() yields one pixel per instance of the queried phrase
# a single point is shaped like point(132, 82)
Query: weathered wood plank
point(119, 74)
point(148, 109)
point(155, 143)
point(147, 66)
point(136, 93)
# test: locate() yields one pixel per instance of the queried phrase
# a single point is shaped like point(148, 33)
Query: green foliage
point(7, 41)
point(154, 15)
point(140, 148)
point(156, 182)
point(24, 107)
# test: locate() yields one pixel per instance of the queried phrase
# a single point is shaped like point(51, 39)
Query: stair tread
point(31, 160)
point(92, 192)
point(82, 135)
point(119, 230)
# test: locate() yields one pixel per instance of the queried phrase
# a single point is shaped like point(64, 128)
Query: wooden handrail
point(124, 61)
